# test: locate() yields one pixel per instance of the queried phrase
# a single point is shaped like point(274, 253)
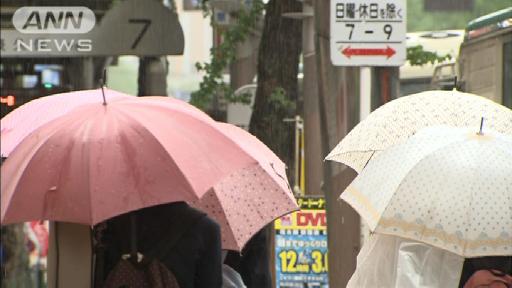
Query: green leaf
point(213, 84)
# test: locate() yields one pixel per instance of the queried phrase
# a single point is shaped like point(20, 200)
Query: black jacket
point(195, 259)
point(254, 265)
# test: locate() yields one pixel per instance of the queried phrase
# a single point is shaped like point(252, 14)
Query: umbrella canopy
point(390, 261)
point(447, 187)
point(99, 161)
point(19, 123)
point(243, 204)
point(399, 119)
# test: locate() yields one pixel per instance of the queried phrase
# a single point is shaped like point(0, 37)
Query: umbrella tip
point(103, 84)
point(103, 93)
point(481, 127)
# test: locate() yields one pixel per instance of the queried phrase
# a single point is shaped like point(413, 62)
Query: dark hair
point(471, 265)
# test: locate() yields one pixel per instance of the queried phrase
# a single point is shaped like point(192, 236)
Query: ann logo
point(54, 20)
point(60, 22)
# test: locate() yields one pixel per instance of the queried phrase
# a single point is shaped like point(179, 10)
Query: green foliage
point(417, 56)
point(420, 20)
point(279, 100)
point(213, 84)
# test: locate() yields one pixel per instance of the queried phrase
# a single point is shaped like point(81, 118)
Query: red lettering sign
point(308, 218)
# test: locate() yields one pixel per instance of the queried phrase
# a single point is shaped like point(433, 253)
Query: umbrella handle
point(133, 236)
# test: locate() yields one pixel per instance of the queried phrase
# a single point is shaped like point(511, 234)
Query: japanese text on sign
point(311, 203)
point(381, 11)
point(368, 33)
point(301, 246)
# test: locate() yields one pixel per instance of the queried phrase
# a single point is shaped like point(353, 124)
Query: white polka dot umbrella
point(399, 119)
point(448, 187)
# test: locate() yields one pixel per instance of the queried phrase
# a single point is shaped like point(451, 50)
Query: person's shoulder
point(199, 221)
point(204, 219)
point(192, 211)
point(209, 223)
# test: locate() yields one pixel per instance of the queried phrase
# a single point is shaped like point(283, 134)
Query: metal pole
point(337, 108)
point(299, 125)
point(296, 187)
point(152, 76)
point(312, 140)
point(365, 106)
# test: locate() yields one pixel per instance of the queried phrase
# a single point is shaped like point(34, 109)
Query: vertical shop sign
point(301, 246)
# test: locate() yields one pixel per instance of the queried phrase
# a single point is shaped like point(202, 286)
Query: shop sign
point(301, 246)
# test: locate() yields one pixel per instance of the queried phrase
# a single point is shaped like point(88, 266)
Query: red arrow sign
point(349, 52)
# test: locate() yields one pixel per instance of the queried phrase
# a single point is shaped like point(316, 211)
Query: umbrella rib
point(416, 163)
point(33, 151)
point(251, 207)
point(424, 226)
point(187, 181)
point(330, 157)
point(373, 152)
point(472, 198)
point(477, 170)
point(91, 220)
point(226, 136)
point(231, 230)
point(216, 127)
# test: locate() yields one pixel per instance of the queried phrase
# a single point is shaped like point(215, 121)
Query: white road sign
point(368, 33)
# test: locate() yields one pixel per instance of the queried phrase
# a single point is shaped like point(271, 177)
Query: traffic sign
point(368, 33)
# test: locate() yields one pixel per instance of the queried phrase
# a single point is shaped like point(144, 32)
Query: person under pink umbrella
point(103, 159)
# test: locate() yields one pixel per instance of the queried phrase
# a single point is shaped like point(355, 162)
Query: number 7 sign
point(368, 33)
point(145, 25)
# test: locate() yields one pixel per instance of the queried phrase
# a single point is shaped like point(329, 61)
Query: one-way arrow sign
point(349, 52)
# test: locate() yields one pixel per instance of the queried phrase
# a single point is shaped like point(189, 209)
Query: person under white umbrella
point(449, 188)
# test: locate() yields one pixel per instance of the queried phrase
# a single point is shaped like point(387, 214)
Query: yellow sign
point(303, 220)
point(301, 246)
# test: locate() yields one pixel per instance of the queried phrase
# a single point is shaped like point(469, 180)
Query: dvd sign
point(313, 218)
point(54, 20)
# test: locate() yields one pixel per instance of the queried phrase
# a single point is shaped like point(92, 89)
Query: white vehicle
point(414, 79)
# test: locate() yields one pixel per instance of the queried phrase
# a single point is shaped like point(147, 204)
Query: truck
point(485, 58)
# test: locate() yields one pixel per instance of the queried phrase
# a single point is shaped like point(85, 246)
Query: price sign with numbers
point(368, 33)
point(301, 246)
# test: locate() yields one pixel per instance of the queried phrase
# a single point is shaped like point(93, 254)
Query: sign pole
point(365, 108)
point(363, 34)
point(365, 91)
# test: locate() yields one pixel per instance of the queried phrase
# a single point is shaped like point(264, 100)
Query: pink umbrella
point(16, 125)
point(100, 161)
point(243, 206)
point(173, 102)
point(244, 203)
